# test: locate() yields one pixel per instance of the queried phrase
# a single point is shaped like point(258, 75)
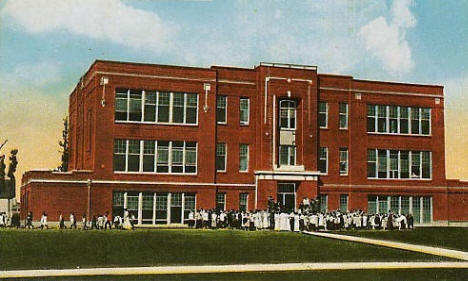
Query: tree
point(64, 149)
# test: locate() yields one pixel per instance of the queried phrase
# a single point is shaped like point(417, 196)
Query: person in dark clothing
point(29, 219)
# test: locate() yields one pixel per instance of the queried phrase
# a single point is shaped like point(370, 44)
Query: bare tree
point(64, 149)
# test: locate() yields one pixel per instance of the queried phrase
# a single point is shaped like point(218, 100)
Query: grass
point(348, 275)
point(34, 249)
point(455, 238)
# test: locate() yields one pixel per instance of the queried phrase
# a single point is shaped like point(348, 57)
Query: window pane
point(163, 157)
point(221, 157)
point(382, 154)
point(415, 120)
point(323, 114)
point(192, 105)
point(371, 163)
point(372, 204)
point(243, 157)
point(404, 163)
point(178, 107)
point(135, 105)
point(121, 104)
point(426, 165)
point(323, 160)
point(163, 107)
point(343, 161)
point(343, 115)
point(382, 119)
point(244, 110)
point(221, 104)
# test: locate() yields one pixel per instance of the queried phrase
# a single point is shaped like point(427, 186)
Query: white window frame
point(326, 114)
point(410, 160)
point(289, 127)
point(347, 201)
point(247, 156)
point(344, 115)
point(241, 122)
point(225, 156)
point(346, 161)
point(246, 200)
point(225, 110)
point(289, 149)
point(224, 200)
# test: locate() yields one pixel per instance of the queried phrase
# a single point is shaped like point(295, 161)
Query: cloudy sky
point(46, 45)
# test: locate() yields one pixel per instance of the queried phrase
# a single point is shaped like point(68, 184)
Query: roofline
point(336, 75)
point(399, 83)
point(232, 67)
point(151, 64)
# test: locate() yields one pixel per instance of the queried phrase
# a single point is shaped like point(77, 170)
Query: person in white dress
point(44, 221)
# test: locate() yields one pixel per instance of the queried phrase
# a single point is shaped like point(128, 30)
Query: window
point(189, 204)
point(288, 114)
point(220, 201)
point(133, 156)
point(221, 157)
point(221, 109)
point(323, 114)
point(162, 165)
point(149, 156)
point(399, 164)
point(244, 111)
point(323, 160)
point(343, 161)
point(371, 163)
point(243, 157)
point(243, 201)
point(394, 119)
point(286, 196)
point(419, 206)
point(287, 155)
point(343, 202)
point(120, 150)
point(156, 106)
point(371, 118)
point(343, 115)
point(323, 199)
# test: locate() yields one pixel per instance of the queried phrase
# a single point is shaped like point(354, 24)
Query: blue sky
point(46, 45)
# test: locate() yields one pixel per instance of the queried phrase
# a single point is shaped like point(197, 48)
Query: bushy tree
point(64, 149)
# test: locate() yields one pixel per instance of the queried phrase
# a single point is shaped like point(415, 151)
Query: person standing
point(107, 220)
point(44, 221)
point(61, 222)
point(84, 222)
point(72, 221)
point(29, 219)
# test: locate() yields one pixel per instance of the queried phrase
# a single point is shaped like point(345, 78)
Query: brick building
point(161, 140)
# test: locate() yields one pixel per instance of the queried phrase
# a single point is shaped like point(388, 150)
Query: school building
point(161, 140)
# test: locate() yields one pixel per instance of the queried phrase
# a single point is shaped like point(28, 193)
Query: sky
point(46, 45)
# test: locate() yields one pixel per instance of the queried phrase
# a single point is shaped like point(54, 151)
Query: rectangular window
point(323, 114)
point(287, 155)
point(393, 119)
point(404, 164)
point(415, 165)
point(135, 112)
point(221, 109)
point(415, 114)
point(177, 157)
point(162, 164)
point(343, 161)
point(133, 156)
point(220, 201)
point(190, 157)
point(371, 163)
point(150, 106)
point(371, 204)
point(404, 123)
point(243, 157)
point(121, 104)
point(189, 204)
point(221, 157)
point(343, 202)
point(343, 115)
point(244, 111)
point(148, 156)
point(393, 169)
point(120, 150)
point(381, 118)
point(371, 117)
point(323, 160)
point(243, 202)
point(382, 164)
point(425, 121)
point(163, 107)
point(191, 109)
point(178, 111)
point(394, 204)
point(323, 199)
point(382, 204)
point(426, 165)
point(287, 110)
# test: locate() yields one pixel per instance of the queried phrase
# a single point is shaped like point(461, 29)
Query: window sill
point(396, 134)
point(154, 123)
point(154, 173)
point(323, 128)
point(409, 179)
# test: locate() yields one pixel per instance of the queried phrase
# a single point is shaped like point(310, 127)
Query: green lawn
point(447, 237)
point(348, 275)
point(31, 249)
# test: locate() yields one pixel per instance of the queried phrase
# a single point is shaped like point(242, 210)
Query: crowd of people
point(308, 217)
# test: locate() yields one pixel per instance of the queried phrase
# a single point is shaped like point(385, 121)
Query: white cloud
point(99, 19)
point(386, 40)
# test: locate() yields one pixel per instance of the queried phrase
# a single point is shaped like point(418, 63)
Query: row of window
point(221, 110)
point(149, 156)
point(221, 157)
point(156, 106)
point(394, 119)
point(323, 160)
point(399, 164)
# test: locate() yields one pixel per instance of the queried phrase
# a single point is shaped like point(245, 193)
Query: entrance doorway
point(287, 196)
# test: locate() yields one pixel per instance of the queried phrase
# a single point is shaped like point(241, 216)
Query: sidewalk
point(230, 268)
point(398, 245)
